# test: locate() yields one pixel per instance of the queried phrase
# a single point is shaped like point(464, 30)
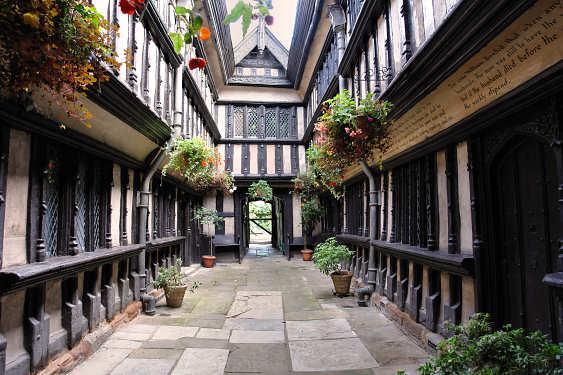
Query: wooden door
point(526, 218)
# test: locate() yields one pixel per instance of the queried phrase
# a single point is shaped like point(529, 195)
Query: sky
point(284, 19)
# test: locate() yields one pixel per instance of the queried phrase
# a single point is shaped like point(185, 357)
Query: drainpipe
point(370, 288)
point(338, 21)
point(143, 206)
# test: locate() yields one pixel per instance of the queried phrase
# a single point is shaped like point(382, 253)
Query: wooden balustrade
point(425, 285)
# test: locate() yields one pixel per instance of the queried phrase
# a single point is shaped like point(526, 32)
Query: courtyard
point(267, 315)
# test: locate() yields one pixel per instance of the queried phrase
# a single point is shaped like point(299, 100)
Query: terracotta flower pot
point(208, 261)
point(341, 281)
point(175, 295)
point(307, 254)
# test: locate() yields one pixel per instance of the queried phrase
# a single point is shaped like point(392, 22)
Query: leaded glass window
point(253, 122)
point(74, 197)
point(270, 123)
point(283, 122)
point(238, 121)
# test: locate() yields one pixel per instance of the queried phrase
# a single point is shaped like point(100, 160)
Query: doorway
point(260, 227)
point(525, 208)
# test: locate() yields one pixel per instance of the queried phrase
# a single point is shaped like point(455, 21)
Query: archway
point(260, 226)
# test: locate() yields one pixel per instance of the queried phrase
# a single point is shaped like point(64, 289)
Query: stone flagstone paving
point(266, 315)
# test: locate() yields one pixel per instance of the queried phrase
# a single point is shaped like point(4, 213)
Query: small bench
point(228, 242)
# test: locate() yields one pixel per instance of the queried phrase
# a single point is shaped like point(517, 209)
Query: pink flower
point(370, 119)
point(347, 130)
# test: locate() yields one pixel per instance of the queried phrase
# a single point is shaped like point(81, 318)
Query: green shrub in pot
point(328, 256)
point(175, 283)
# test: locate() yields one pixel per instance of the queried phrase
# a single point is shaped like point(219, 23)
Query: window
point(262, 122)
point(74, 193)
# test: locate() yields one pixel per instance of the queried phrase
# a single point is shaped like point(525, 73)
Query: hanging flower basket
point(354, 133)
point(260, 190)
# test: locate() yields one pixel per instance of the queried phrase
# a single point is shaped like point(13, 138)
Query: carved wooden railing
point(412, 278)
point(73, 294)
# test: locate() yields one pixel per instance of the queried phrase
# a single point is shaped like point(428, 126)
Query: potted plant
point(174, 283)
point(208, 216)
point(260, 190)
point(327, 258)
point(475, 348)
point(311, 212)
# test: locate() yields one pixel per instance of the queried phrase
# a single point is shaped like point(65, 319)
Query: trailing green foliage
point(261, 190)
point(311, 212)
point(172, 276)
point(329, 254)
point(474, 348)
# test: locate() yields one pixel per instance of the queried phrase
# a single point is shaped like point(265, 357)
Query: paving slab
point(256, 337)
point(102, 362)
point(330, 355)
point(140, 366)
point(156, 353)
point(202, 362)
point(132, 336)
point(122, 344)
point(255, 324)
point(174, 332)
point(318, 329)
point(259, 358)
point(213, 333)
point(257, 305)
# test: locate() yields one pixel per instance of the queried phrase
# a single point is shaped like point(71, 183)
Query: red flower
point(204, 163)
point(269, 20)
point(332, 183)
point(197, 62)
point(129, 6)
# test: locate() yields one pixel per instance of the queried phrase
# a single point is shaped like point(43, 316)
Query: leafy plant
point(208, 216)
point(193, 160)
point(172, 276)
point(352, 133)
point(311, 212)
point(249, 11)
point(189, 25)
point(225, 181)
point(260, 190)
point(56, 49)
point(474, 348)
point(329, 254)
point(324, 170)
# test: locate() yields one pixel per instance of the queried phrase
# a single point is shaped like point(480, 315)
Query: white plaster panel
point(11, 324)
point(300, 122)
point(130, 208)
point(229, 226)
point(228, 203)
point(237, 159)
point(439, 11)
point(297, 230)
point(286, 159)
point(428, 13)
point(302, 158)
point(442, 200)
point(396, 20)
point(53, 300)
point(15, 221)
point(381, 37)
point(271, 159)
point(465, 230)
point(221, 119)
point(418, 23)
point(444, 292)
point(389, 207)
point(467, 297)
point(253, 150)
point(115, 205)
